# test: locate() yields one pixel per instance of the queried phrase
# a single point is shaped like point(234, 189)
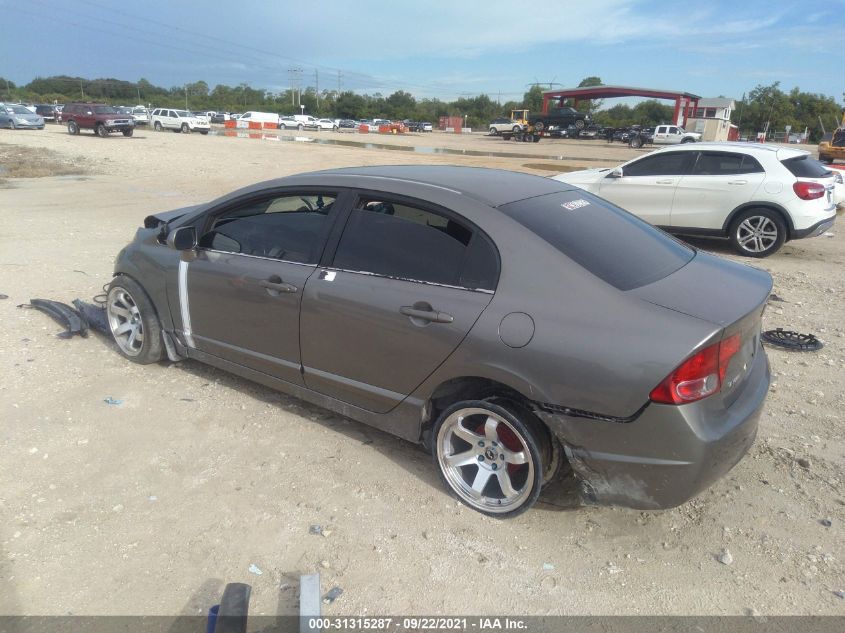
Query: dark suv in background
point(99, 117)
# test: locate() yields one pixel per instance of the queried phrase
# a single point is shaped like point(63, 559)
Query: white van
point(260, 117)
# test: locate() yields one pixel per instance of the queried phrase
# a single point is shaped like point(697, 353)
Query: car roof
point(493, 187)
point(758, 149)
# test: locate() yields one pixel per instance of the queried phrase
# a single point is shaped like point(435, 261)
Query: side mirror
point(616, 173)
point(183, 239)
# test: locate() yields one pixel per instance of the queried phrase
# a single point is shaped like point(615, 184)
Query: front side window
point(106, 110)
point(289, 227)
point(406, 242)
point(668, 164)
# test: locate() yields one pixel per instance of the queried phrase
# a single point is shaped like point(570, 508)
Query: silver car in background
point(18, 117)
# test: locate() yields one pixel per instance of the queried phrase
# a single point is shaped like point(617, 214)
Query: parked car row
point(16, 116)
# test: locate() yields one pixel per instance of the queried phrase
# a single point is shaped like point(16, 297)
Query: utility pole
point(295, 81)
point(317, 87)
point(339, 75)
point(186, 96)
point(81, 90)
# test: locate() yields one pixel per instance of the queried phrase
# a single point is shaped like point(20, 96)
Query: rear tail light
point(699, 376)
point(808, 190)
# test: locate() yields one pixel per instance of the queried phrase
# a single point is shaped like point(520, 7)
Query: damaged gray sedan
point(510, 323)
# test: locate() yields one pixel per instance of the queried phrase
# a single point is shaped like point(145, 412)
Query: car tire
point(636, 142)
point(157, 126)
point(334, 128)
point(72, 128)
point(186, 129)
point(516, 129)
point(128, 132)
point(300, 127)
point(133, 321)
point(527, 138)
point(101, 131)
point(539, 126)
point(687, 140)
point(12, 125)
point(492, 447)
point(579, 124)
point(758, 232)
point(203, 132)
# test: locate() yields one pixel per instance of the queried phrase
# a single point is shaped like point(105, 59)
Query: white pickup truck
point(671, 134)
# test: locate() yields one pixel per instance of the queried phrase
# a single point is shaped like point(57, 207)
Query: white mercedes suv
point(757, 196)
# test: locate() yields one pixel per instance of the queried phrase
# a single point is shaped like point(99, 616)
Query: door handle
point(737, 182)
point(665, 182)
point(432, 316)
point(277, 286)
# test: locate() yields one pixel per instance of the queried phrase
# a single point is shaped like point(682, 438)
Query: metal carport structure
point(682, 99)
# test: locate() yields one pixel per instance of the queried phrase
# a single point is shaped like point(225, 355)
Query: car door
point(242, 291)
point(647, 185)
point(404, 286)
point(718, 183)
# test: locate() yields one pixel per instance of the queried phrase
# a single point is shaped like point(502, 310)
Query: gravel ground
point(151, 505)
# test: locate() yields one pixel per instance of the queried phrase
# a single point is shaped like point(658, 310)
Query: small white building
point(712, 119)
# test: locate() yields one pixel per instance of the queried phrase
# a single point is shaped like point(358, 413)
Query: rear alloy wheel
point(101, 131)
point(186, 128)
point(72, 128)
point(133, 321)
point(580, 124)
point(758, 233)
point(157, 126)
point(489, 458)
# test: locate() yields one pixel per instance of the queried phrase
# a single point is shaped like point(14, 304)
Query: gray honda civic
point(512, 324)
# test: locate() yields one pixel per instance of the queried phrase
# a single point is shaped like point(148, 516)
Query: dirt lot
point(151, 505)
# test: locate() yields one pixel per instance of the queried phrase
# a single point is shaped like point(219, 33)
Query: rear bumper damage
point(668, 454)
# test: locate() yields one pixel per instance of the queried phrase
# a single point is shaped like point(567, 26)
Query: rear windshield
point(806, 167)
point(608, 241)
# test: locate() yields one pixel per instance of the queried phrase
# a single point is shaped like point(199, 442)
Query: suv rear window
point(806, 167)
point(607, 241)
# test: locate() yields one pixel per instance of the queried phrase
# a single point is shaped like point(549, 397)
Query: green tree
point(533, 99)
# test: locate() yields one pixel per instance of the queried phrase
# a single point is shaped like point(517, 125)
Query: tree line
point(762, 105)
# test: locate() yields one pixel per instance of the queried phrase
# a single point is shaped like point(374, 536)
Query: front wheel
point(636, 142)
point(101, 131)
point(72, 128)
point(128, 132)
point(133, 321)
point(186, 129)
point(300, 127)
point(491, 458)
point(157, 126)
point(687, 140)
point(758, 233)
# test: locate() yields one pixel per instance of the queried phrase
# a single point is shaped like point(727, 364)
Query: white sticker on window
point(575, 204)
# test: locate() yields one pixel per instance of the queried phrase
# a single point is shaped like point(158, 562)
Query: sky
point(433, 48)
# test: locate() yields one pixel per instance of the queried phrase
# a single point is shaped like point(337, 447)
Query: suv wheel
point(101, 130)
point(72, 127)
point(686, 140)
point(186, 128)
point(300, 127)
point(128, 132)
point(580, 124)
point(758, 232)
point(493, 131)
point(490, 457)
point(157, 126)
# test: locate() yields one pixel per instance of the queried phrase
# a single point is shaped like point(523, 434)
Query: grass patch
point(35, 162)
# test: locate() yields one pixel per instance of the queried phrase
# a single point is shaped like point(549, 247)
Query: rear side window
point(724, 164)
point(607, 241)
point(806, 167)
point(398, 240)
